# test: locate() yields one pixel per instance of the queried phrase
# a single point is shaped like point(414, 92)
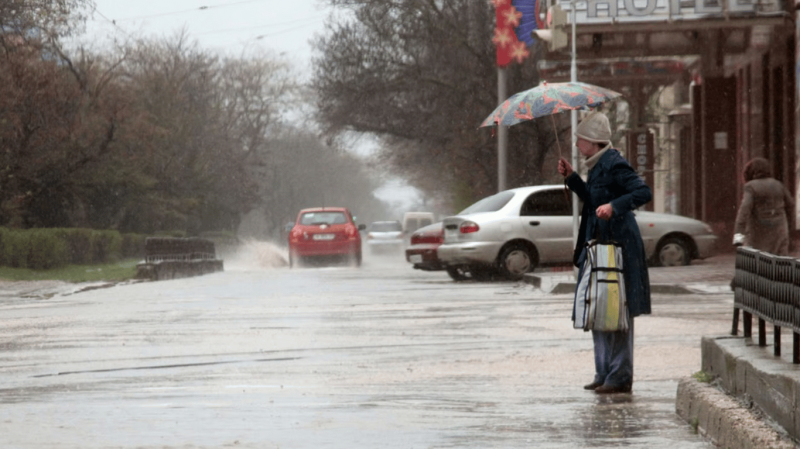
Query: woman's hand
point(605, 211)
point(564, 167)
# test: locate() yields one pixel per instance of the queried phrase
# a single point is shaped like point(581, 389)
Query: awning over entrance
point(627, 40)
point(619, 72)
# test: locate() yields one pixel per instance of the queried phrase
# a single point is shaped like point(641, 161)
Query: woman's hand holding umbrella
point(564, 167)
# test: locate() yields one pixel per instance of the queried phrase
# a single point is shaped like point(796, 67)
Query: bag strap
point(609, 240)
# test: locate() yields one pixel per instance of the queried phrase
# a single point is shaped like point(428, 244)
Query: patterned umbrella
point(547, 99)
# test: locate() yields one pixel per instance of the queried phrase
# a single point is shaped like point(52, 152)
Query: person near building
point(610, 193)
point(762, 221)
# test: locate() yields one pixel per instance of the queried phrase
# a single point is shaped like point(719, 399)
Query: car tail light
point(468, 227)
point(296, 235)
point(418, 239)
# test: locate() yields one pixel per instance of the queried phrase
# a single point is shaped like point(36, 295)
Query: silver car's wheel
point(673, 252)
point(515, 261)
point(458, 272)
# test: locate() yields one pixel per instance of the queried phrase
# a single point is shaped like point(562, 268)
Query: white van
point(415, 220)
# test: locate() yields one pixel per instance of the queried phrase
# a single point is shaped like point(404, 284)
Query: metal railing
point(158, 249)
point(768, 287)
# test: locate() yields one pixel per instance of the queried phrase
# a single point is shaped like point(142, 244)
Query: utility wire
point(306, 22)
point(112, 22)
point(309, 21)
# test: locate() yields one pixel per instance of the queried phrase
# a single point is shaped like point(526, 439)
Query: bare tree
point(422, 75)
point(59, 121)
point(157, 135)
point(42, 20)
point(203, 125)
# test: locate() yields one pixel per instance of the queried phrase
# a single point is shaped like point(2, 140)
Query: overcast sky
point(282, 26)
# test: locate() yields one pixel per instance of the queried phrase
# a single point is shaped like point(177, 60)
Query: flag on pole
point(514, 21)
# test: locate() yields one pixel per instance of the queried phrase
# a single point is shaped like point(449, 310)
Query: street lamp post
point(573, 76)
point(502, 132)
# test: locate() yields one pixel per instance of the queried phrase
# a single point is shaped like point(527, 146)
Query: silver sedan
point(517, 230)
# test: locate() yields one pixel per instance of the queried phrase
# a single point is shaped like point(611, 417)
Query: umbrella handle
point(555, 131)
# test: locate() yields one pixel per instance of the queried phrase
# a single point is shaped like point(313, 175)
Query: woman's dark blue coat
point(613, 180)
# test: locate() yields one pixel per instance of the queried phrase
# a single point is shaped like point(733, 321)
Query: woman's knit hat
point(594, 128)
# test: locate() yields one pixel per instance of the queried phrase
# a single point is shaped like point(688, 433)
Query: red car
point(324, 233)
point(421, 250)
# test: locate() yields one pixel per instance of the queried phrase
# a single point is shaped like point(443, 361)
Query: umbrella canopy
point(547, 99)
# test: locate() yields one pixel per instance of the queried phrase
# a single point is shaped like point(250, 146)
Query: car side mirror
point(361, 227)
point(288, 227)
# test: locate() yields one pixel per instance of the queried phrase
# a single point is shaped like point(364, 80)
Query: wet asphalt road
point(381, 356)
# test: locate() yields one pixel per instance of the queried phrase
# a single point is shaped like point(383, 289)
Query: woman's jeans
point(613, 357)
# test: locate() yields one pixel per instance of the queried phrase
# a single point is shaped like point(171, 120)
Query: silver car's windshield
point(489, 204)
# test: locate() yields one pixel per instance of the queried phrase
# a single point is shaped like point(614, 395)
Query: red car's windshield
point(319, 218)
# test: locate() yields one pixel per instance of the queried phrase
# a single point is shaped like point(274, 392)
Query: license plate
point(323, 236)
point(415, 258)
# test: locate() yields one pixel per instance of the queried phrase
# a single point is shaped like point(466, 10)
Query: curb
point(561, 287)
point(755, 376)
point(723, 420)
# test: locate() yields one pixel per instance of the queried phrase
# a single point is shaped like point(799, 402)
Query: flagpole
point(502, 132)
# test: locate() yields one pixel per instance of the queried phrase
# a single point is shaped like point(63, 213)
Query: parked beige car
point(517, 230)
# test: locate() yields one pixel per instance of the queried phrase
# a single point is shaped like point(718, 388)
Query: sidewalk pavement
point(725, 419)
point(712, 275)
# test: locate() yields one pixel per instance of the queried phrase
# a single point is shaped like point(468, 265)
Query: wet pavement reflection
point(377, 356)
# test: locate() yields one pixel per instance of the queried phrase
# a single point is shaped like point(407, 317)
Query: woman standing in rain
point(762, 221)
point(611, 192)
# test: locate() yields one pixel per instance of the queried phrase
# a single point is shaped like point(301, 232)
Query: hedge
point(45, 248)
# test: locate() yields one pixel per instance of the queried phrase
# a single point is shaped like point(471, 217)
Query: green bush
point(47, 250)
point(133, 246)
point(703, 376)
point(3, 241)
point(17, 247)
point(106, 246)
point(79, 244)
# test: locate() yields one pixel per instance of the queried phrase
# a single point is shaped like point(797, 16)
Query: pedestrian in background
point(762, 222)
point(610, 193)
